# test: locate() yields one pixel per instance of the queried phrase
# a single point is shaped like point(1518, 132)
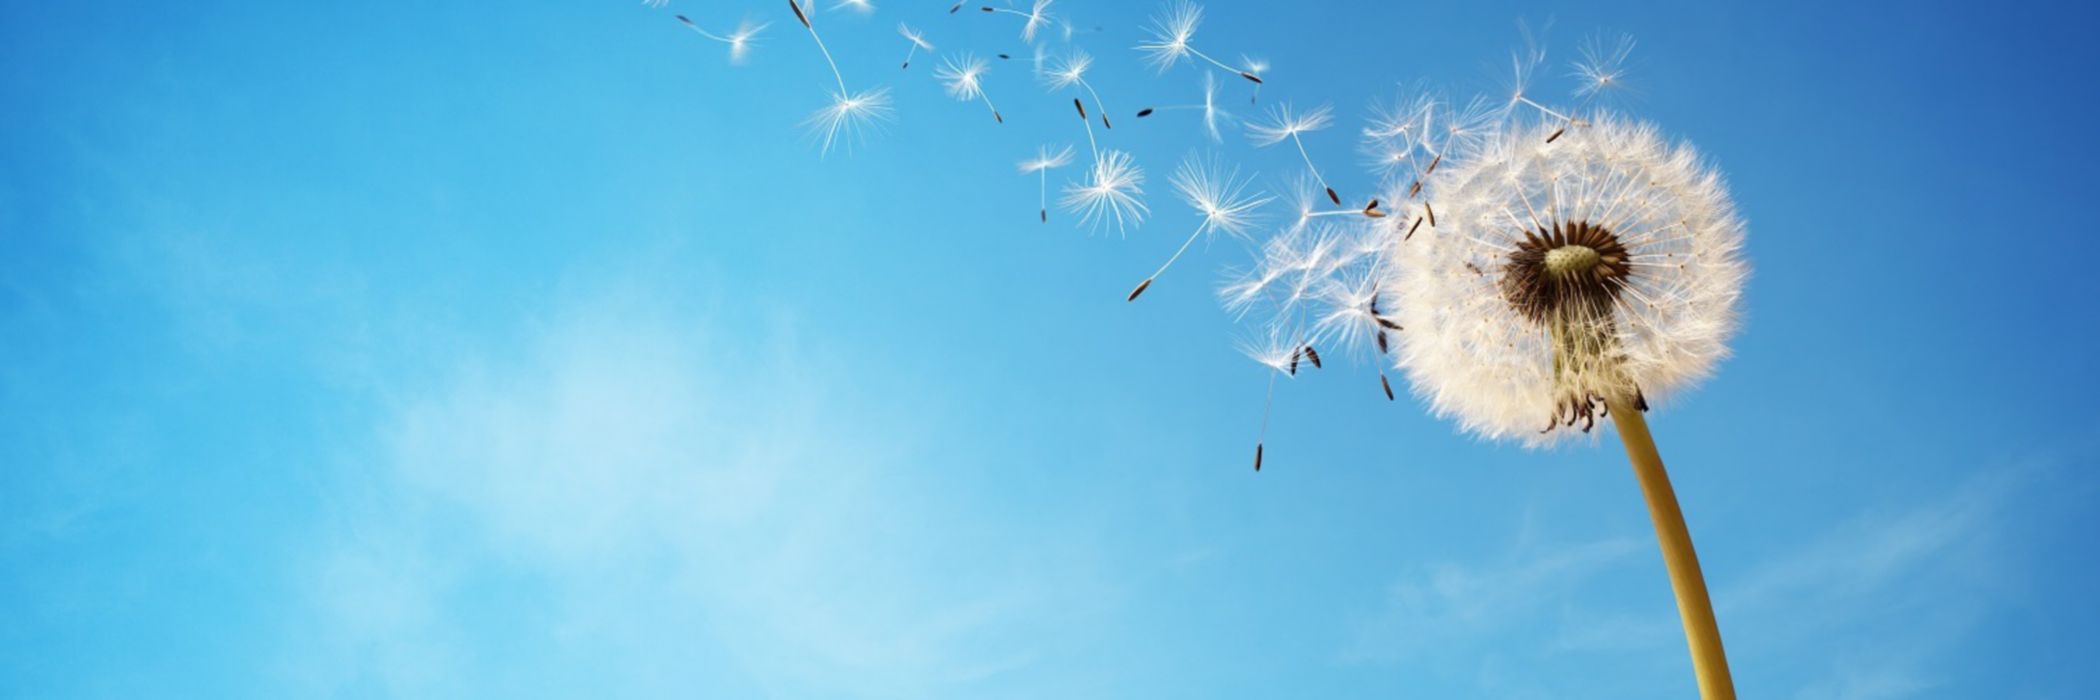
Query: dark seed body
point(1140, 290)
point(1146, 112)
point(1388, 386)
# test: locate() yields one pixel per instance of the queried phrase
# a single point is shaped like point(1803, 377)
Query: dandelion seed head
point(849, 117)
point(741, 40)
point(1038, 17)
point(1170, 34)
point(963, 75)
point(1111, 194)
point(1068, 70)
point(1602, 67)
point(914, 36)
point(1605, 264)
point(1046, 159)
point(1219, 194)
point(1284, 122)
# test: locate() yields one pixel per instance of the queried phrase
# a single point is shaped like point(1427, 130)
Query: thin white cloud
point(691, 509)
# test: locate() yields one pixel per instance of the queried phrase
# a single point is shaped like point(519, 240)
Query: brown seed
point(1373, 211)
point(1104, 121)
point(1382, 347)
point(1257, 456)
point(1081, 107)
point(1387, 385)
point(1313, 355)
point(797, 7)
point(1551, 139)
point(1045, 214)
point(1432, 214)
point(1251, 76)
point(1411, 229)
point(957, 6)
point(1004, 57)
point(1387, 322)
point(1414, 189)
point(1331, 196)
point(995, 115)
point(682, 18)
point(1294, 360)
point(1140, 290)
point(1146, 112)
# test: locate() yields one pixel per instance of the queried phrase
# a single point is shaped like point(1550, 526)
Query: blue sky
point(427, 349)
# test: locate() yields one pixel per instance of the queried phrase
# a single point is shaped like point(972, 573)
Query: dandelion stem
point(835, 74)
point(1300, 143)
point(1696, 611)
point(1542, 108)
point(1177, 254)
point(1221, 66)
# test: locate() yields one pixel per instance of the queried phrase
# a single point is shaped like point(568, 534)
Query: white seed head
point(1170, 34)
point(914, 36)
point(962, 75)
point(1046, 159)
point(1284, 122)
point(1068, 70)
point(741, 40)
point(1219, 194)
point(849, 117)
point(1511, 326)
point(1111, 194)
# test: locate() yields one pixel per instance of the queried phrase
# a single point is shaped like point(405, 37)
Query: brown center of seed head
point(1566, 269)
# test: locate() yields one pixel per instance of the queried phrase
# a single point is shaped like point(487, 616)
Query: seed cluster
point(1566, 270)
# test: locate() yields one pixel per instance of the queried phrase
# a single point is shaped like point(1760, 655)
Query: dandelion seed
point(850, 117)
point(1171, 33)
point(1386, 385)
point(1212, 115)
point(1112, 192)
point(1034, 19)
point(918, 42)
point(1070, 71)
point(1284, 123)
point(1045, 160)
point(860, 6)
point(850, 114)
point(1602, 68)
point(1257, 67)
point(964, 77)
point(739, 41)
point(1220, 196)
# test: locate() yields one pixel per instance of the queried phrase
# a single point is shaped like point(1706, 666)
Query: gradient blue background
point(436, 349)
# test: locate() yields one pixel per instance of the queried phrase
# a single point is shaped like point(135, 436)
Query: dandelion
point(1602, 68)
point(1111, 192)
point(1572, 282)
point(1045, 161)
point(964, 78)
point(1171, 33)
point(1279, 350)
point(917, 40)
point(1220, 196)
point(1034, 19)
point(1257, 66)
point(1070, 71)
point(849, 117)
point(1284, 123)
point(850, 114)
point(1212, 114)
point(739, 41)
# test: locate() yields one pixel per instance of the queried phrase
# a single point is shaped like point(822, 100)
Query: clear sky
point(445, 349)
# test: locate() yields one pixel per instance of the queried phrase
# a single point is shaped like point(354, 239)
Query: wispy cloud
point(1861, 610)
point(683, 508)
